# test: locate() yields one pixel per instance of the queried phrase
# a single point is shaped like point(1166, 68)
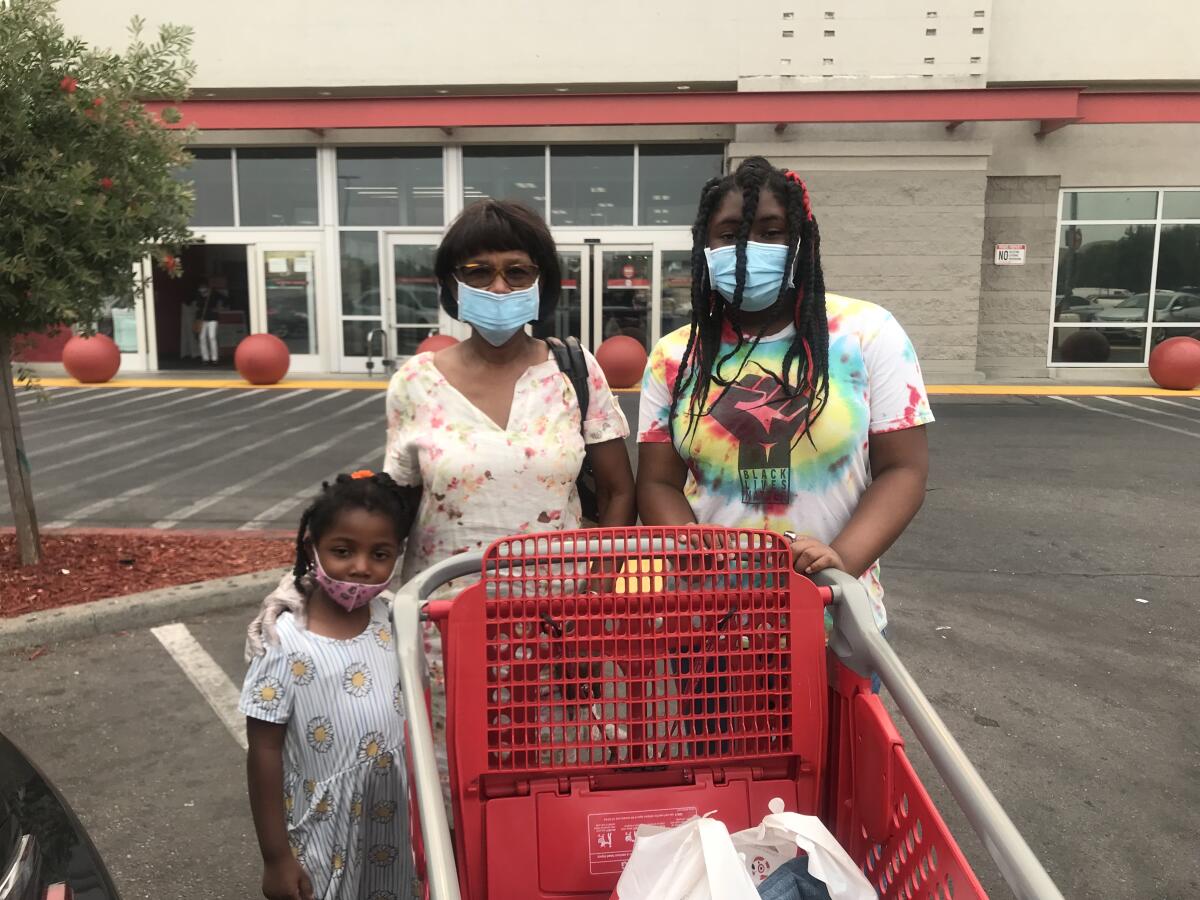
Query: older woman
point(490, 427)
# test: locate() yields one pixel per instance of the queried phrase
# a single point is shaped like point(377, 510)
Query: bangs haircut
point(499, 226)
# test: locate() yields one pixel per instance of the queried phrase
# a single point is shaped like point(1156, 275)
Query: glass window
point(1109, 205)
point(1073, 346)
point(291, 298)
point(118, 320)
point(1179, 261)
point(591, 185)
point(277, 187)
point(390, 186)
point(505, 173)
point(1181, 205)
point(626, 295)
point(676, 289)
point(356, 333)
point(360, 273)
point(416, 286)
point(211, 178)
point(670, 178)
point(1099, 268)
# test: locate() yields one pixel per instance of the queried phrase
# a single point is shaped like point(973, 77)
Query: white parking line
point(96, 436)
point(209, 678)
point(33, 397)
point(1157, 412)
point(108, 502)
point(89, 395)
point(1119, 415)
point(1194, 407)
point(271, 513)
point(191, 509)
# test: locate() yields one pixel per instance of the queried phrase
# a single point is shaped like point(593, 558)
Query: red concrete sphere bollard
point(623, 360)
point(436, 342)
point(262, 359)
point(1175, 364)
point(91, 360)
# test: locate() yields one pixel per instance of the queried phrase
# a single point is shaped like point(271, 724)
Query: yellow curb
point(964, 390)
point(1048, 390)
point(236, 384)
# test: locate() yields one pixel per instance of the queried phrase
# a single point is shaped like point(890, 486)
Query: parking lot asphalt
point(1046, 599)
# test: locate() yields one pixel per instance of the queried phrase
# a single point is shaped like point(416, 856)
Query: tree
point(86, 190)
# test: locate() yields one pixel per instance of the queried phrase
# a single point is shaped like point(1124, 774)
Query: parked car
point(45, 853)
point(1169, 306)
point(1074, 308)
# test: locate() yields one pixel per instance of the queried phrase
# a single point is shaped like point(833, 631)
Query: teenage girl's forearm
point(660, 481)
point(264, 776)
point(901, 463)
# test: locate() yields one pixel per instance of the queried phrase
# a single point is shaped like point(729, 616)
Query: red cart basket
point(600, 680)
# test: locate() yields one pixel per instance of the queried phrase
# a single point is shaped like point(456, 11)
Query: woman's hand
point(285, 879)
point(810, 556)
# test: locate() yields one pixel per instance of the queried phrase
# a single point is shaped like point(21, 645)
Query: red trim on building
point(1060, 105)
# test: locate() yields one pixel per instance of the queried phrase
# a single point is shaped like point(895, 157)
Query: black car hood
point(30, 805)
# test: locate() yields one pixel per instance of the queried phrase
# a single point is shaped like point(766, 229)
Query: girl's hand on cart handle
point(810, 556)
point(286, 879)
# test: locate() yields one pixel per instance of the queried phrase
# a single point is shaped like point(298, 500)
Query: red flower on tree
point(99, 101)
point(69, 84)
point(169, 263)
point(106, 184)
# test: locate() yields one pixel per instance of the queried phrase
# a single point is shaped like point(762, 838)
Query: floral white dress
point(481, 481)
point(344, 782)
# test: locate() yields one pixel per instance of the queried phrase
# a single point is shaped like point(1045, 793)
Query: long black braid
point(699, 366)
point(374, 492)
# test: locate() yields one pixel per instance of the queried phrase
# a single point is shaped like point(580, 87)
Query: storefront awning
point(1049, 108)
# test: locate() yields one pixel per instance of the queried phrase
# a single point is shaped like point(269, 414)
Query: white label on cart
point(611, 835)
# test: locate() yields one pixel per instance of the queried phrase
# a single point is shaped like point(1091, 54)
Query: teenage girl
point(782, 406)
point(324, 711)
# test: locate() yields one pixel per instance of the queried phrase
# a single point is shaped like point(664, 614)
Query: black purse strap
point(573, 364)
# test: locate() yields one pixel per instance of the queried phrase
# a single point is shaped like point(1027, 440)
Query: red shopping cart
point(604, 679)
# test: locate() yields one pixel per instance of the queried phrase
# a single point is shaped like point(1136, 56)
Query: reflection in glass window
point(390, 186)
point(1081, 345)
point(360, 273)
point(1179, 269)
point(416, 286)
point(289, 282)
point(1078, 205)
point(1181, 205)
point(505, 173)
point(118, 320)
point(669, 180)
point(211, 178)
point(568, 314)
point(676, 290)
point(277, 187)
point(355, 334)
point(591, 185)
point(1099, 267)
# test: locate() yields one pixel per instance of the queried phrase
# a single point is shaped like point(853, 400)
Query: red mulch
point(77, 567)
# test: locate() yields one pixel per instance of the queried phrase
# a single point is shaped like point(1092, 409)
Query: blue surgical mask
point(497, 317)
point(765, 268)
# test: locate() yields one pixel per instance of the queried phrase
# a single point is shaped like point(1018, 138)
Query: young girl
point(324, 713)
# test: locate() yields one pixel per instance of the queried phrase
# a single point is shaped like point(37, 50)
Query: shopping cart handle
point(857, 641)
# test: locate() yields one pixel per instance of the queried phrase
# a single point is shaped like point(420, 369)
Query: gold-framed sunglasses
point(481, 275)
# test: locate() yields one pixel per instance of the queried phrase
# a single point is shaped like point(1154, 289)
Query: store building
point(1001, 174)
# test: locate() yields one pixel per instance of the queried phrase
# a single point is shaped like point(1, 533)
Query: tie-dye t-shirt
point(747, 469)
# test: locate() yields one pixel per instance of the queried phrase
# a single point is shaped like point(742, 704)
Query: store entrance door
point(608, 289)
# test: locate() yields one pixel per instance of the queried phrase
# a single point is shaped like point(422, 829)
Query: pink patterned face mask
point(350, 595)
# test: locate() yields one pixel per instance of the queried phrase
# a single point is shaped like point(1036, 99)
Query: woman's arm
point(614, 483)
point(899, 468)
point(283, 877)
point(660, 480)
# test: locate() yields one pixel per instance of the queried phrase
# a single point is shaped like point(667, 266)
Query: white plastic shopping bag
point(774, 842)
point(695, 860)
